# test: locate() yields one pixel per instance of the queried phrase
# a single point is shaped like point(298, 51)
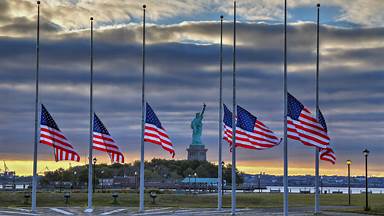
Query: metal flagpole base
point(88, 210)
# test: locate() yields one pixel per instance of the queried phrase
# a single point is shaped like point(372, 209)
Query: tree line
point(155, 170)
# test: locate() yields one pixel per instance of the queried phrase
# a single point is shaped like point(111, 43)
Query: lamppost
point(259, 177)
point(349, 162)
point(61, 180)
point(195, 175)
point(366, 153)
point(321, 184)
point(135, 180)
point(102, 180)
point(14, 182)
point(74, 179)
point(94, 174)
point(189, 182)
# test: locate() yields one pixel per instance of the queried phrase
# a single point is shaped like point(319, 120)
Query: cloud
point(182, 74)
point(19, 16)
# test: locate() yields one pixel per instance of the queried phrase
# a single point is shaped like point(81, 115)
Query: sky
point(182, 68)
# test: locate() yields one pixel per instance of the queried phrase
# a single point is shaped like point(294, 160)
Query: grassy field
point(244, 200)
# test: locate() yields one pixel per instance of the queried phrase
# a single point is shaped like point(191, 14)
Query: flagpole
point(234, 115)
point(142, 121)
point(317, 195)
point(90, 156)
point(34, 178)
point(285, 180)
point(220, 165)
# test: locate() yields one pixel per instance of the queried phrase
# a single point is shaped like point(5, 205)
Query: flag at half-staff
point(103, 141)
point(251, 133)
point(155, 133)
point(51, 135)
point(326, 154)
point(303, 126)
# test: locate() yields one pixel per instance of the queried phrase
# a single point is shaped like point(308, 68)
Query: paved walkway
point(162, 211)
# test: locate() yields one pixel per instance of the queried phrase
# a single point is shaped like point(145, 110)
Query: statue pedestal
point(197, 152)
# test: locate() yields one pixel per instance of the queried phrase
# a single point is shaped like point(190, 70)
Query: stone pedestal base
point(197, 152)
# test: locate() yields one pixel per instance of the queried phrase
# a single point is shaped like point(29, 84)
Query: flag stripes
point(103, 141)
point(328, 154)
point(155, 133)
point(51, 135)
point(302, 126)
point(158, 136)
point(250, 132)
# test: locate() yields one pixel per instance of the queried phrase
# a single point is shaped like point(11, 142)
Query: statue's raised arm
point(202, 112)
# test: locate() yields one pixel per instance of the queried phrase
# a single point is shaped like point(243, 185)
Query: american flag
point(303, 126)
point(51, 135)
point(155, 133)
point(250, 132)
point(104, 142)
point(326, 154)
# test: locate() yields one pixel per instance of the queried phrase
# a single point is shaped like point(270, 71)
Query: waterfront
point(324, 190)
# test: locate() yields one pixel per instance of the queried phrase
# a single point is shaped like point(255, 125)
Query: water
point(18, 186)
point(328, 190)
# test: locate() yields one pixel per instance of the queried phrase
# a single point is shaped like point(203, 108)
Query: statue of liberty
point(197, 127)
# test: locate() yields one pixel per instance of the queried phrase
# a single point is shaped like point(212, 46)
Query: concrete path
point(57, 211)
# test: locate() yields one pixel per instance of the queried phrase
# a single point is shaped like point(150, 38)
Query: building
point(200, 181)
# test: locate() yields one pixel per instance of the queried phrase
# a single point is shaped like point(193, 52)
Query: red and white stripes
point(158, 136)
point(62, 148)
point(105, 143)
point(328, 154)
point(307, 130)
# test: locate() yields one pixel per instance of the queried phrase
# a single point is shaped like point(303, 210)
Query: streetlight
point(366, 153)
point(259, 178)
point(94, 173)
point(189, 182)
point(135, 180)
point(74, 182)
point(61, 179)
point(195, 175)
point(349, 162)
point(102, 180)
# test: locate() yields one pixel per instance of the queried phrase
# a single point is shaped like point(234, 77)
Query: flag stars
point(151, 117)
point(294, 107)
point(227, 116)
point(98, 126)
point(46, 118)
point(246, 120)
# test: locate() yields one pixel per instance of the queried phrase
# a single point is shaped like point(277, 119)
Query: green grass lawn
point(244, 200)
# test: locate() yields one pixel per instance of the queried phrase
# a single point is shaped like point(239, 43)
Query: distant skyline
point(183, 73)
